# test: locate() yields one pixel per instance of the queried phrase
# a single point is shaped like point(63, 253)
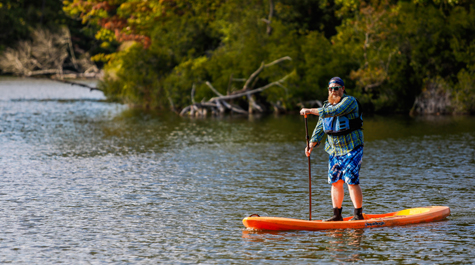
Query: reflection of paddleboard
point(404, 217)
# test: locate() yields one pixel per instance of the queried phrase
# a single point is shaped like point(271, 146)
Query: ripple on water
point(90, 181)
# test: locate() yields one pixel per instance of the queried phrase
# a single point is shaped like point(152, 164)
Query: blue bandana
point(337, 80)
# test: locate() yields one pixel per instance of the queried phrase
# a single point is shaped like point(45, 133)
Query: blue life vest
point(341, 125)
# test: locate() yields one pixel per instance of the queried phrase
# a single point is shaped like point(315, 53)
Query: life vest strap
point(355, 124)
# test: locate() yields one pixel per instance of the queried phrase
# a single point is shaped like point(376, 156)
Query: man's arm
point(345, 106)
point(316, 138)
point(305, 111)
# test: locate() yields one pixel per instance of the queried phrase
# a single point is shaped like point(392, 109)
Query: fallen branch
point(42, 72)
point(257, 90)
point(76, 84)
point(226, 104)
point(220, 99)
point(218, 104)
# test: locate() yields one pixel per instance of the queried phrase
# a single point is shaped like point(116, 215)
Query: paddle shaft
point(309, 174)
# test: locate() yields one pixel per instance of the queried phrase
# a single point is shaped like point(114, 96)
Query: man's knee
point(338, 183)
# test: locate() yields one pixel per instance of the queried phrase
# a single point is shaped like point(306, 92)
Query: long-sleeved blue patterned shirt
point(342, 144)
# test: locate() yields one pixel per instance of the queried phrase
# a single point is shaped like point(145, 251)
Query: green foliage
point(462, 26)
point(317, 67)
point(387, 51)
point(400, 46)
point(134, 77)
point(216, 41)
point(464, 93)
point(20, 18)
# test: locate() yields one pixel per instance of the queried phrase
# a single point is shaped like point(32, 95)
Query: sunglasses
point(335, 88)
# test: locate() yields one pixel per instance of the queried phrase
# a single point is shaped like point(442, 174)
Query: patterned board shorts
point(346, 167)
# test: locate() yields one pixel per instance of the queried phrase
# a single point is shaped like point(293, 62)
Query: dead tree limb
point(253, 75)
point(193, 88)
point(253, 80)
point(257, 90)
point(269, 19)
point(76, 84)
point(213, 89)
point(226, 104)
point(185, 110)
point(218, 104)
point(42, 72)
point(261, 68)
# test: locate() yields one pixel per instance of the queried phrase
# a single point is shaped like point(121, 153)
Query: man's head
point(336, 88)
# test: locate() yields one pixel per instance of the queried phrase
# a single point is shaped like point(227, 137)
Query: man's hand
point(308, 151)
point(305, 111)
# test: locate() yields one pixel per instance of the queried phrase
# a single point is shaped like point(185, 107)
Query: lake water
point(84, 181)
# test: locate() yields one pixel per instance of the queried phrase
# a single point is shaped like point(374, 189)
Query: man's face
point(334, 96)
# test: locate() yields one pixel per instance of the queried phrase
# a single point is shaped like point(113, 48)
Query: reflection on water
point(343, 241)
point(338, 240)
point(96, 182)
point(391, 244)
point(341, 245)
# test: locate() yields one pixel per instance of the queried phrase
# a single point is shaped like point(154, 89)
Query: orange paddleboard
point(404, 217)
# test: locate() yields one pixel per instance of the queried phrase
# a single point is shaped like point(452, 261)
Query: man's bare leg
point(338, 193)
point(356, 195)
point(337, 200)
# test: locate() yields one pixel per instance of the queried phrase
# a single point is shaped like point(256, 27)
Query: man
point(340, 118)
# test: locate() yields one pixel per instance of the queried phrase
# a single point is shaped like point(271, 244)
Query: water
point(85, 181)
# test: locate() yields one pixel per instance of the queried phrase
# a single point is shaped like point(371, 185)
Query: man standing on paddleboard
point(340, 118)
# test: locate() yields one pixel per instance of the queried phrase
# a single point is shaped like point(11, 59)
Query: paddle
point(309, 174)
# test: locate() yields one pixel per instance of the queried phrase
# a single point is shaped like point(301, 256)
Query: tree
point(387, 51)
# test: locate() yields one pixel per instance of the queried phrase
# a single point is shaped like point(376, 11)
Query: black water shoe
point(358, 214)
point(336, 215)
